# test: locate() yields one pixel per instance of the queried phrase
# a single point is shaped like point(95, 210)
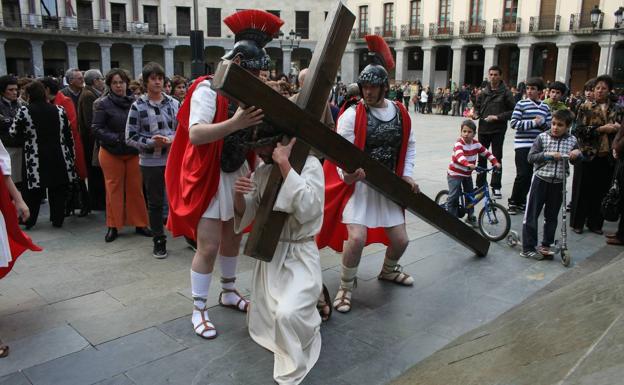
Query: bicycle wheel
point(494, 222)
point(441, 199)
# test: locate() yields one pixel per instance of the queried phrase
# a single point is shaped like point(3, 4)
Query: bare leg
point(350, 261)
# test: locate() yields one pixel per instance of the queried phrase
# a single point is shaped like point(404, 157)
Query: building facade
point(443, 41)
point(49, 36)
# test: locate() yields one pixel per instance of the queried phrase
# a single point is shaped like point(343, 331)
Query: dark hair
point(565, 116)
point(135, 85)
point(50, 83)
point(559, 86)
point(495, 68)
point(23, 82)
point(606, 79)
point(117, 71)
point(589, 85)
point(6, 81)
point(36, 92)
point(176, 81)
point(535, 82)
point(152, 68)
point(470, 124)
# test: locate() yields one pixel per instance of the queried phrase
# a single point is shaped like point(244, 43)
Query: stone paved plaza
point(87, 312)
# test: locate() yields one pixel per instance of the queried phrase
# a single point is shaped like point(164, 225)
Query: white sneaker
point(496, 193)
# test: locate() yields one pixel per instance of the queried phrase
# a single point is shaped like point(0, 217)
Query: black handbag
point(612, 202)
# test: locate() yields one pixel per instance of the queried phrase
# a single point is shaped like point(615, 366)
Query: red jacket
point(70, 110)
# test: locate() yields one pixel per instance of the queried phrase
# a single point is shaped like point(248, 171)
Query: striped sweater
point(522, 120)
point(465, 154)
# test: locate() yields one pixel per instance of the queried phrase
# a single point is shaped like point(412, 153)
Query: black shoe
point(512, 209)
point(144, 231)
point(111, 234)
point(160, 247)
point(57, 224)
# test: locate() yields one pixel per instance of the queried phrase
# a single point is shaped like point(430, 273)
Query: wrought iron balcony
point(580, 23)
point(359, 33)
point(73, 25)
point(412, 32)
point(441, 31)
point(507, 28)
point(545, 24)
point(469, 29)
point(387, 32)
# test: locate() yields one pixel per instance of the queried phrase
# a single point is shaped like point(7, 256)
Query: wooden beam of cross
point(238, 84)
point(312, 98)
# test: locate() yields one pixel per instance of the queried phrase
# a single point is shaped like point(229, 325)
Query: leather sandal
point(396, 275)
point(205, 323)
point(4, 350)
point(614, 241)
point(323, 305)
point(241, 300)
point(342, 302)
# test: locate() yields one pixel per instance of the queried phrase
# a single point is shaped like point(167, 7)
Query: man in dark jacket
point(96, 196)
point(75, 84)
point(493, 108)
point(8, 108)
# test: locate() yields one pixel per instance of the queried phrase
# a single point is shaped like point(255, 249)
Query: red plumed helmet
point(254, 24)
point(378, 46)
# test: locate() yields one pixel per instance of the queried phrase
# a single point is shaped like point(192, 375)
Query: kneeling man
point(283, 316)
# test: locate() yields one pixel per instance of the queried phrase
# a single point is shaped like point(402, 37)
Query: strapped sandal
point(205, 324)
point(241, 300)
point(396, 275)
point(342, 302)
point(323, 305)
point(4, 350)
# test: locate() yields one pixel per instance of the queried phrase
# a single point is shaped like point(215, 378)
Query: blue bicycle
point(494, 221)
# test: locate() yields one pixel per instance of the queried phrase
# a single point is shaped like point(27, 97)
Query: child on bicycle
point(464, 160)
point(546, 156)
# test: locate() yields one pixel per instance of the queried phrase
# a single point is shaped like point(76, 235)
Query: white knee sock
point(200, 284)
point(348, 277)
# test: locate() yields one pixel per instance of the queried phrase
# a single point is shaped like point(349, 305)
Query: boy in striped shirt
point(464, 160)
point(530, 118)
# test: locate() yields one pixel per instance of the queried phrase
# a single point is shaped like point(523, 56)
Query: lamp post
point(287, 44)
point(198, 66)
point(617, 28)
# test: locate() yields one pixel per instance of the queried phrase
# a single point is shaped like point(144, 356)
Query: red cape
point(18, 240)
point(337, 193)
point(70, 110)
point(192, 173)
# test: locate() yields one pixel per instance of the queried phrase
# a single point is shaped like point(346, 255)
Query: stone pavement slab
point(43, 347)
point(104, 361)
point(15, 379)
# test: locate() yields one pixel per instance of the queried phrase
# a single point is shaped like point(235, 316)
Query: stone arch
point(154, 53)
point(121, 57)
point(585, 57)
point(182, 60)
point(18, 57)
point(54, 58)
point(212, 57)
point(89, 55)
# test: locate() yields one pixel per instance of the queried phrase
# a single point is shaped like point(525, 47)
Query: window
point(476, 14)
point(444, 22)
point(214, 22)
point(363, 20)
point(510, 14)
point(150, 16)
point(118, 17)
point(388, 19)
point(11, 13)
point(276, 13)
point(415, 10)
point(302, 24)
point(183, 21)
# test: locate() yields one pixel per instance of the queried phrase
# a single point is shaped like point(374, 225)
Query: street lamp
point(475, 54)
point(291, 41)
point(595, 16)
point(545, 53)
point(618, 17)
point(416, 55)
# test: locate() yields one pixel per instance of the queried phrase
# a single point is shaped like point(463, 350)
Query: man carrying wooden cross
point(207, 156)
point(382, 129)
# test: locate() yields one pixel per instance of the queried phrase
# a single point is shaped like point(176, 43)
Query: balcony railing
point(581, 22)
point(548, 23)
point(469, 28)
point(69, 24)
point(388, 32)
point(358, 34)
point(412, 32)
point(507, 27)
point(441, 31)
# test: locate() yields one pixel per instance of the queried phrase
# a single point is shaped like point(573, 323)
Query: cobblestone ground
point(85, 312)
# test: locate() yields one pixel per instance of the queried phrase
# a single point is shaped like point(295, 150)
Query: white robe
point(283, 317)
point(5, 250)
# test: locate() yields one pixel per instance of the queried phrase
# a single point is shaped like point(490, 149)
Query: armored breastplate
point(383, 139)
point(234, 151)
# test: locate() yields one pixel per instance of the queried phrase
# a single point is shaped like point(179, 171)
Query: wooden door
point(588, 5)
point(547, 14)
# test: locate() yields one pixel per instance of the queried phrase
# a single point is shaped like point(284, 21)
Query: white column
point(605, 65)
point(37, 57)
point(169, 67)
point(137, 57)
point(105, 57)
point(72, 55)
point(286, 60)
point(524, 62)
point(428, 67)
point(564, 61)
point(3, 64)
point(489, 60)
point(348, 67)
point(401, 65)
point(459, 65)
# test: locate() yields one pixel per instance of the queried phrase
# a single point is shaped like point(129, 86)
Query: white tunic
point(203, 110)
point(282, 316)
point(366, 206)
point(5, 250)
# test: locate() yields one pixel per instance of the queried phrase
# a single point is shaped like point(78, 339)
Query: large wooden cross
point(302, 120)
